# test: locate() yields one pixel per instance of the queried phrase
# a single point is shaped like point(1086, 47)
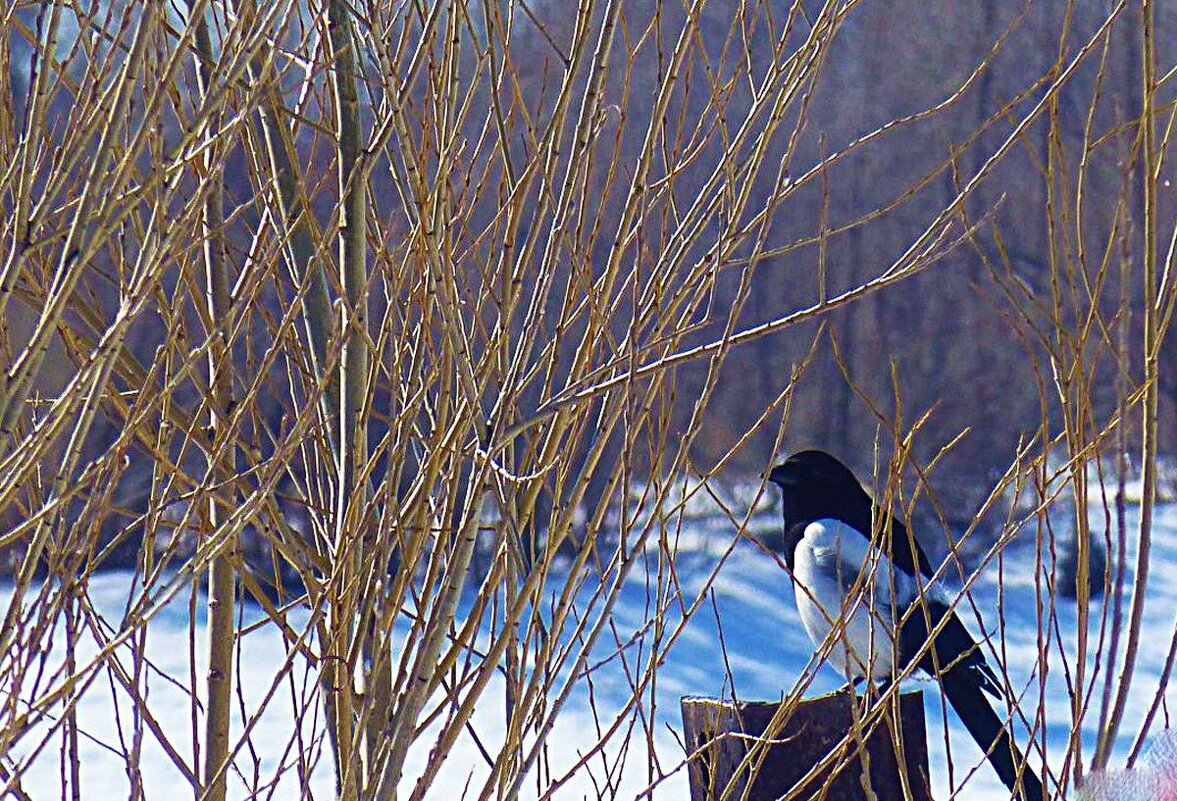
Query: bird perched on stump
point(857, 571)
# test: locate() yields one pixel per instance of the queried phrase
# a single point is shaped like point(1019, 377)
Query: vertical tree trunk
point(356, 769)
point(221, 575)
point(1153, 336)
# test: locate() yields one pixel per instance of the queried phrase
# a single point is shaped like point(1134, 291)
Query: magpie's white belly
point(828, 560)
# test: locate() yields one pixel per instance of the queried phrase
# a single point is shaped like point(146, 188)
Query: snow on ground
point(766, 653)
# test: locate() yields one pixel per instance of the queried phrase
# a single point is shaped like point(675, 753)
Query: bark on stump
point(724, 733)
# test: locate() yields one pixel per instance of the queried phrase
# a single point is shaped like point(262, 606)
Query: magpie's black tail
point(963, 690)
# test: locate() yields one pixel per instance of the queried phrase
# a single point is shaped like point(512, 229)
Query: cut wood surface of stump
point(810, 750)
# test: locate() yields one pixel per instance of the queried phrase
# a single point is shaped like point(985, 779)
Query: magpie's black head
point(815, 485)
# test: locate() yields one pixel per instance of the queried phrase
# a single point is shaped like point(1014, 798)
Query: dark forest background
point(913, 99)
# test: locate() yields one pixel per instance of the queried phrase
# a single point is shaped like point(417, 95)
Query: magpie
point(858, 571)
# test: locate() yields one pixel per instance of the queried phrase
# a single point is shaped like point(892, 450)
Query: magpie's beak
point(774, 474)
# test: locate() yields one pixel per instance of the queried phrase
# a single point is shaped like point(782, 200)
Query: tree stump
point(732, 741)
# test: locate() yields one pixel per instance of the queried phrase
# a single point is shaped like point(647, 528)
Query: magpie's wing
point(843, 562)
point(953, 648)
point(906, 553)
point(863, 514)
